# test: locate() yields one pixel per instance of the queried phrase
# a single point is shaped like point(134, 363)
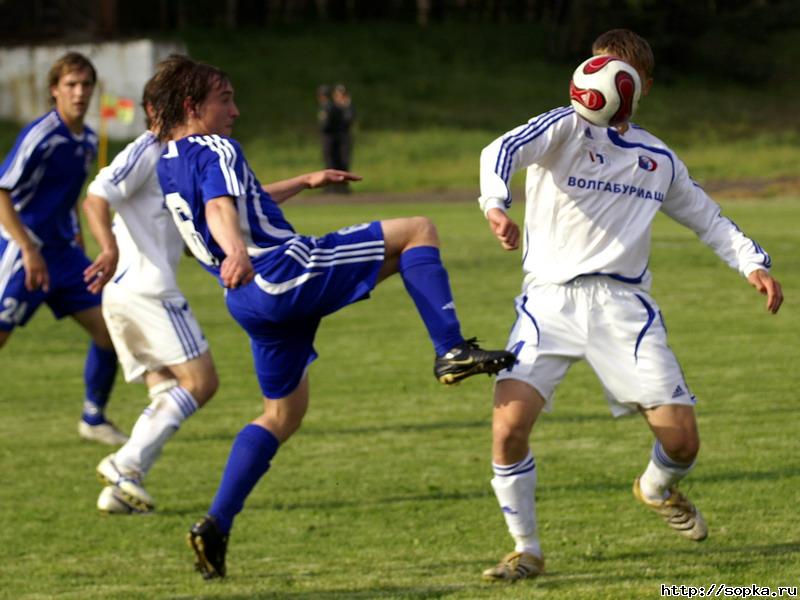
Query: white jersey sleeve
point(688, 204)
point(518, 149)
point(130, 170)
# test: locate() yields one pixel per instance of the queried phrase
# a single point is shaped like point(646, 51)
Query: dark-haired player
point(280, 284)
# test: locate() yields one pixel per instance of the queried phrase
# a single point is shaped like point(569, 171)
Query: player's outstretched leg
point(209, 545)
point(466, 359)
point(428, 284)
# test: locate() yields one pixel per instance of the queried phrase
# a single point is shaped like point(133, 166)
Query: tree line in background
point(727, 37)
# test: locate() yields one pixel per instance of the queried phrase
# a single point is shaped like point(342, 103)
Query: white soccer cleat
point(104, 433)
point(127, 485)
point(678, 511)
point(110, 502)
point(515, 566)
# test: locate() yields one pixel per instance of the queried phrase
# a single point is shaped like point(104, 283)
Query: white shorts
point(616, 327)
point(150, 333)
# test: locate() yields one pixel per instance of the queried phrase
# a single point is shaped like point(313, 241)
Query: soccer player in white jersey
point(157, 338)
point(281, 284)
point(591, 195)
point(41, 259)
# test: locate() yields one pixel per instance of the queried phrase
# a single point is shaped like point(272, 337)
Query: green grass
point(384, 492)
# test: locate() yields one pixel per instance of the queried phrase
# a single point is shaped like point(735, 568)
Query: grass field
point(384, 493)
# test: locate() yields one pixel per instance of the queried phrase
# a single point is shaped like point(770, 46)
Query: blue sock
point(249, 459)
point(98, 376)
point(428, 285)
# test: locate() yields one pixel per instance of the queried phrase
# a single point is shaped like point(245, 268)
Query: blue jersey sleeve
point(222, 168)
point(21, 162)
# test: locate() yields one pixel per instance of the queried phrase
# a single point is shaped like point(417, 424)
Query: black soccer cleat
point(209, 545)
point(469, 359)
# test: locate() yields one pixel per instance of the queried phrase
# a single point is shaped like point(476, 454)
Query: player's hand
point(504, 229)
point(769, 287)
point(236, 270)
point(328, 176)
point(36, 275)
point(99, 273)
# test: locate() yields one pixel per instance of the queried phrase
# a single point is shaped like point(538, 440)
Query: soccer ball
point(605, 90)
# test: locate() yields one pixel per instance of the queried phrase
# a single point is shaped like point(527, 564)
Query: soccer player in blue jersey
point(41, 260)
point(279, 283)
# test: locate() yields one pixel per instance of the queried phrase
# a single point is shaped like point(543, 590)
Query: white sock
point(515, 488)
point(661, 474)
point(171, 405)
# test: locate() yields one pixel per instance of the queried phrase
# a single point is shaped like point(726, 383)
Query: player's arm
point(36, 275)
point(98, 218)
point(223, 222)
point(285, 189)
point(768, 286)
point(504, 228)
point(688, 204)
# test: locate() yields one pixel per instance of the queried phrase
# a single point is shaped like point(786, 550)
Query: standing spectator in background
point(326, 117)
point(344, 102)
point(41, 259)
point(336, 115)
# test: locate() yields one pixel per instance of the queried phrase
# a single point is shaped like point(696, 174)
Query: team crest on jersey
point(596, 157)
point(647, 163)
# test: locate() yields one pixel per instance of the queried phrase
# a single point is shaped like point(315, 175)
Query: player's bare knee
point(510, 438)
point(424, 232)
point(201, 384)
point(683, 447)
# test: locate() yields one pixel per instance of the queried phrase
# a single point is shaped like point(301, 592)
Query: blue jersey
point(199, 168)
point(44, 173)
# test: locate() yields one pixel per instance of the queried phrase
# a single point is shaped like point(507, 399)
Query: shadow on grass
point(413, 593)
point(782, 549)
point(772, 475)
point(434, 496)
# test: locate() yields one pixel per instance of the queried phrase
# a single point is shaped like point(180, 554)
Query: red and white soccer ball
point(605, 90)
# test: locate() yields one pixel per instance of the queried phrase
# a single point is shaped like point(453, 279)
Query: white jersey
point(592, 194)
point(149, 243)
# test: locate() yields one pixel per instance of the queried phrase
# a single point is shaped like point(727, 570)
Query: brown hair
point(70, 62)
point(629, 46)
point(177, 78)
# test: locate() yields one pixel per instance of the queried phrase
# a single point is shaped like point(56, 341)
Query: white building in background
point(122, 70)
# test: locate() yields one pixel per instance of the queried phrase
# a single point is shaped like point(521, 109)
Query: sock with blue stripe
point(428, 284)
point(515, 488)
point(98, 376)
point(661, 474)
point(170, 406)
point(248, 461)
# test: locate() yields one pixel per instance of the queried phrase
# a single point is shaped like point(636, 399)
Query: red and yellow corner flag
point(115, 107)
point(112, 107)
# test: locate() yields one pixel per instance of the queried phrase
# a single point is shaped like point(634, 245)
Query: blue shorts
point(296, 285)
point(67, 295)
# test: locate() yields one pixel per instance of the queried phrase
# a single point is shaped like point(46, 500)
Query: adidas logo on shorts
point(679, 391)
